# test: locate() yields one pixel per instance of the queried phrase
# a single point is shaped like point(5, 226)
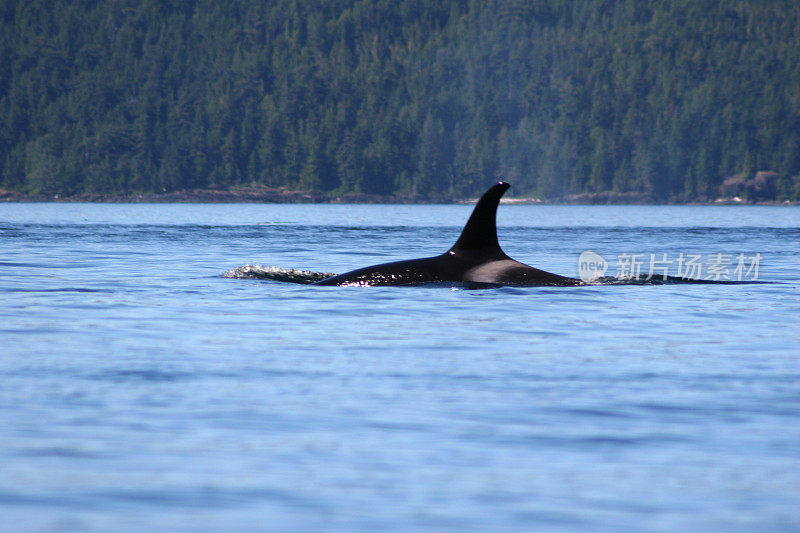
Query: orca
point(476, 259)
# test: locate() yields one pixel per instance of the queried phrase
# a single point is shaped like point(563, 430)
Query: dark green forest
point(680, 100)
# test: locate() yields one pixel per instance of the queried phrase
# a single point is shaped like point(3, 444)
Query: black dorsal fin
point(480, 233)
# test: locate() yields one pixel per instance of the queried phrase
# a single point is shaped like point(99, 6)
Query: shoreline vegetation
point(259, 194)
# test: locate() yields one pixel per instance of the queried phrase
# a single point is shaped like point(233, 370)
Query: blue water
point(140, 390)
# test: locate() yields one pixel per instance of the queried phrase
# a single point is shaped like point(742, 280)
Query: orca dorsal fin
point(480, 232)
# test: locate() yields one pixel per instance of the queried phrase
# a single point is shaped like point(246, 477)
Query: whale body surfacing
point(476, 258)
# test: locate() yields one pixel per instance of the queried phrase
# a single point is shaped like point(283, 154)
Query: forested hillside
point(407, 97)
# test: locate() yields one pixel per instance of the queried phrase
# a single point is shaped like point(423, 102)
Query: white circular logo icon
point(591, 266)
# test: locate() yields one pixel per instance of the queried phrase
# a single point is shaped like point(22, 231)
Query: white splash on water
point(291, 275)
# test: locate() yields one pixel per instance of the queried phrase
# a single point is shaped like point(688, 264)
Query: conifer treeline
point(399, 96)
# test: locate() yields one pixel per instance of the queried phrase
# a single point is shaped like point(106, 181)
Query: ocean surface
point(141, 390)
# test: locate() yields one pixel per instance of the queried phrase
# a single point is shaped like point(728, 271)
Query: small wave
point(61, 289)
point(291, 275)
point(140, 375)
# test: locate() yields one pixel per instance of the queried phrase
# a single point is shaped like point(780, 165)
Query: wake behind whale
point(474, 261)
point(275, 273)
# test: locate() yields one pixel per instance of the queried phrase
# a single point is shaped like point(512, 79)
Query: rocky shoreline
point(282, 196)
point(231, 195)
